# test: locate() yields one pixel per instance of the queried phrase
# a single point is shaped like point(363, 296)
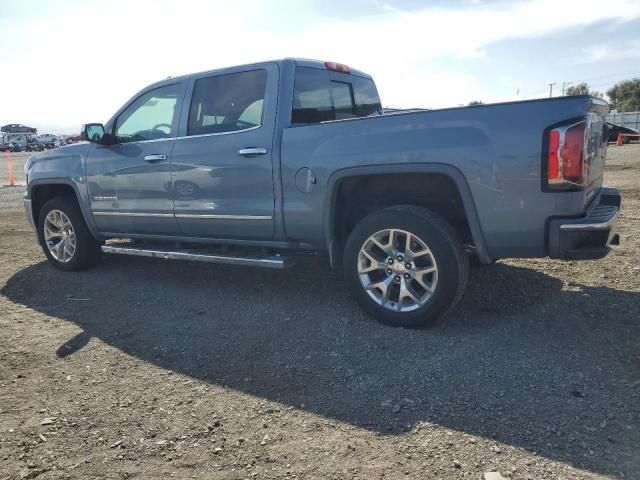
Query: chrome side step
point(276, 261)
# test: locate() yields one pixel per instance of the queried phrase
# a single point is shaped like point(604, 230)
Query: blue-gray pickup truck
point(249, 164)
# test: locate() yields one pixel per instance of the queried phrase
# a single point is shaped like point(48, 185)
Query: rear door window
point(319, 98)
point(227, 103)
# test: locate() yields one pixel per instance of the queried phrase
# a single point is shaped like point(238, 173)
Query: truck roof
point(300, 62)
point(306, 62)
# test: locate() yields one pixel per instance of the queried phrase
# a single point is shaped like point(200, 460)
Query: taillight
point(565, 160)
point(572, 153)
point(554, 162)
point(337, 67)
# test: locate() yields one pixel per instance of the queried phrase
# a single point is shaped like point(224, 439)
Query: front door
point(129, 183)
point(222, 161)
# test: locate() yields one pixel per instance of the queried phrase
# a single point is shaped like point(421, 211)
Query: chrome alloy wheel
point(398, 270)
point(59, 236)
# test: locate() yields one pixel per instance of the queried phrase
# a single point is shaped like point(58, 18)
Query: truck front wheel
point(64, 236)
point(405, 266)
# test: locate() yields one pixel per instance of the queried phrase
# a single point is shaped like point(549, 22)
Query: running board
point(276, 261)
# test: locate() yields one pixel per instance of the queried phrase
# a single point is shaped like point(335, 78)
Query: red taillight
point(337, 67)
point(572, 153)
point(565, 159)
point(554, 144)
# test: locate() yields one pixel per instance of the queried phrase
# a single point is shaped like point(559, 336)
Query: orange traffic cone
point(12, 180)
point(619, 142)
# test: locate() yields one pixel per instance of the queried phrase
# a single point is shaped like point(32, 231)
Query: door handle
point(249, 152)
point(155, 158)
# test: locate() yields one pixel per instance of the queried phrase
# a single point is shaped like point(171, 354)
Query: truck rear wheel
point(405, 266)
point(64, 236)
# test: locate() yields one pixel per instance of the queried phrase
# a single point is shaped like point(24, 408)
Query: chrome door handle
point(155, 158)
point(248, 152)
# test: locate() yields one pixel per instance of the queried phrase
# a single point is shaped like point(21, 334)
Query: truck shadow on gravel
point(521, 360)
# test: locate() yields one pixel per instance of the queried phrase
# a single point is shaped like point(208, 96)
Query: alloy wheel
point(59, 236)
point(397, 270)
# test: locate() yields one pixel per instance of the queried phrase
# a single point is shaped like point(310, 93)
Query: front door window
point(150, 117)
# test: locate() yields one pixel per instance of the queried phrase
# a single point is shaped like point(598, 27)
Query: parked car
point(615, 130)
point(296, 155)
point(18, 140)
point(34, 146)
point(47, 139)
point(18, 128)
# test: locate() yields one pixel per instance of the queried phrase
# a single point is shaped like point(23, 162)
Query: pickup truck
point(247, 165)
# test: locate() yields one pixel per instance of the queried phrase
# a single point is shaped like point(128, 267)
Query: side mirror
point(92, 132)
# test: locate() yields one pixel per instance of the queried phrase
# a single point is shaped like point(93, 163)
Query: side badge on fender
point(98, 198)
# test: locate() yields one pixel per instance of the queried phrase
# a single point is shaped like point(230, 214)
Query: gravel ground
point(11, 198)
point(148, 369)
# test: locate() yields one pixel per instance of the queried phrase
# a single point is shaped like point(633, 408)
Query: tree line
point(623, 96)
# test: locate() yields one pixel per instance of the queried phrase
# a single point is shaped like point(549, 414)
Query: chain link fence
point(627, 119)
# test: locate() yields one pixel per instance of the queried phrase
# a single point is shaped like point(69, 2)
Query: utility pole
point(565, 84)
point(551, 89)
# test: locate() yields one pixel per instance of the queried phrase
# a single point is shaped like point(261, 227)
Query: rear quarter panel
point(497, 148)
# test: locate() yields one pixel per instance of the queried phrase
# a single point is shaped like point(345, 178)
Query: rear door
point(129, 183)
point(222, 162)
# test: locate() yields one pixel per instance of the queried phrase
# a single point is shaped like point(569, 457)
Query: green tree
point(625, 96)
point(582, 89)
point(579, 89)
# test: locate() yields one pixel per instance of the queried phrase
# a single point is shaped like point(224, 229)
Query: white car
point(47, 138)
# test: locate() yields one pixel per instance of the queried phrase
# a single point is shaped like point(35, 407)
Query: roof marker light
point(337, 67)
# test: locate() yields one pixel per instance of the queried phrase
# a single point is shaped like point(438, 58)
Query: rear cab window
point(322, 96)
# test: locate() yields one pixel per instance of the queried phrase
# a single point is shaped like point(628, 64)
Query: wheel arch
point(453, 174)
point(41, 190)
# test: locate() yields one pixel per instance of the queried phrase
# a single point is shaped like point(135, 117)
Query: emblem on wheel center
point(398, 268)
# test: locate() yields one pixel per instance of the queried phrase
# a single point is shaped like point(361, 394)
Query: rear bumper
point(589, 236)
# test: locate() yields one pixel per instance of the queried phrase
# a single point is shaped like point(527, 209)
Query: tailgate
point(596, 147)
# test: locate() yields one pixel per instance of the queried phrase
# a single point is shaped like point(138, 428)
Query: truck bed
point(497, 148)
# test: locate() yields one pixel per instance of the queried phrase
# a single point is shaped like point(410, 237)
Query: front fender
point(62, 166)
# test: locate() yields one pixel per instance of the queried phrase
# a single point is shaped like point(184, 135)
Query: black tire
point(87, 251)
point(447, 250)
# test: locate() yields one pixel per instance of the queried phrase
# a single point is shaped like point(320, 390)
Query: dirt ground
point(147, 369)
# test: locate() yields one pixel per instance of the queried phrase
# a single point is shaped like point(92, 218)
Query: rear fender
point(448, 170)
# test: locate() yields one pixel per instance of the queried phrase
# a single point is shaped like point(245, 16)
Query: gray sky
point(69, 62)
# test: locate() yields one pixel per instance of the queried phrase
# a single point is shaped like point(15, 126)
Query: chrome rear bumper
point(589, 236)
